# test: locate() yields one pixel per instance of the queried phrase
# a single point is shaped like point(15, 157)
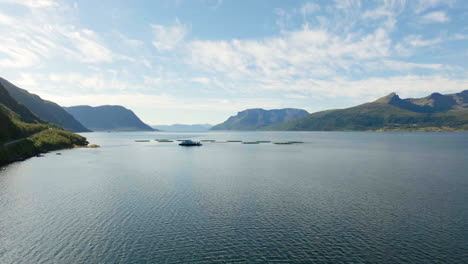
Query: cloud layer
point(347, 51)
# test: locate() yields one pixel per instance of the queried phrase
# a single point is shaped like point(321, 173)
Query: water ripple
point(341, 198)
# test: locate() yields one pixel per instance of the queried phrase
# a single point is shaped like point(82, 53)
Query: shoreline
point(38, 153)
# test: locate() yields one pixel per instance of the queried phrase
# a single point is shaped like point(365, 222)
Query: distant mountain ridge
point(434, 103)
point(257, 118)
point(183, 128)
point(436, 112)
point(108, 118)
point(46, 110)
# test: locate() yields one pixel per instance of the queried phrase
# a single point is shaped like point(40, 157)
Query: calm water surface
point(337, 198)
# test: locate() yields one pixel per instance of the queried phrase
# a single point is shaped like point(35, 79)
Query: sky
point(201, 61)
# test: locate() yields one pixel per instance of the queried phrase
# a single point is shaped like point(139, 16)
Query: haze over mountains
point(257, 118)
point(434, 112)
point(108, 118)
point(47, 110)
point(184, 128)
point(115, 118)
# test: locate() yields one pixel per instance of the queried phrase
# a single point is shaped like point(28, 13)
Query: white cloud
point(373, 87)
point(31, 3)
point(15, 56)
point(97, 89)
point(166, 38)
point(133, 43)
point(152, 80)
point(298, 54)
point(87, 46)
point(337, 52)
point(347, 4)
point(6, 20)
point(40, 37)
point(403, 66)
point(389, 9)
point(201, 80)
point(435, 17)
point(95, 81)
point(27, 80)
point(309, 8)
point(296, 96)
point(406, 86)
point(417, 41)
point(358, 90)
point(89, 83)
point(459, 36)
point(423, 5)
point(166, 102)
point(377, 13)
point(325, 60)
point(164, 81)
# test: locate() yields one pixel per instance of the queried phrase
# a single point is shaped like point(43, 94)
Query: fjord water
point(336, 198)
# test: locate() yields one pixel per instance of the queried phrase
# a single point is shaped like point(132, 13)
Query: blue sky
point(200, 61)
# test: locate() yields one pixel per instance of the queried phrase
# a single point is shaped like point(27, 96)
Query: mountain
point(46, 110)
point(434, 103)
point(184, 128)
point(108, 118)
point(435, 112)
point(11, 106)
point(257, 118)
point(13, 116)
point(23, 134)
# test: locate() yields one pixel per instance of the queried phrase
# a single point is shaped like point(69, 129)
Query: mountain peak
point(435, 95)
point(388, 99)
point(436, 112)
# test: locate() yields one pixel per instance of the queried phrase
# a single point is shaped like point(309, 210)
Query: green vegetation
point(16, 110)
point(53, 139)
point(40, 109)
point(16, 120)
point(433, 113)
point(23, 134)
point(374, 116)
point(44, 141)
